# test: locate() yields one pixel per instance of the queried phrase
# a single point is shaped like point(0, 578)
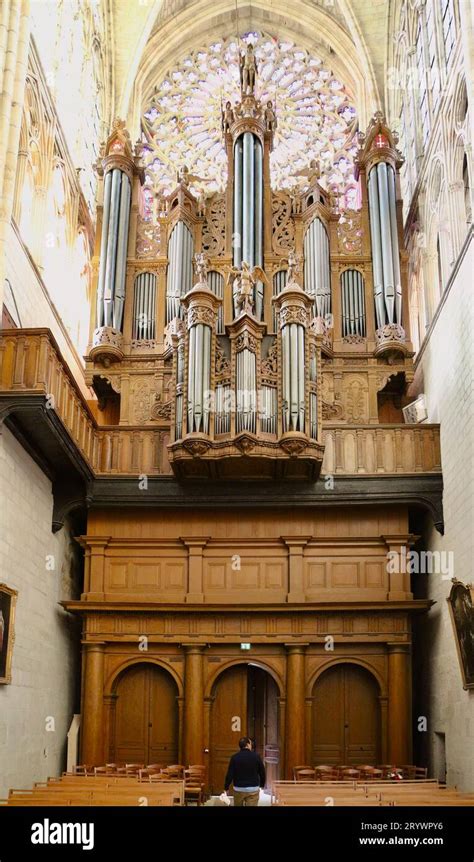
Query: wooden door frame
point(209, 698)
point(382, 697)
point(110, 700)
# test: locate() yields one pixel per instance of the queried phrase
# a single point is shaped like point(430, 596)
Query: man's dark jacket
point(245, 770)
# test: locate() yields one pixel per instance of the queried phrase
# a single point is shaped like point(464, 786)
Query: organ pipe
point(248, 208)
point(144, 306)
point(353, 303)
point(279, 283)
point(317, 274)
point(293, 384)
point(113, 251)
point(180, 268)
point(199, 378)
point(215, 283)
point(384, 241)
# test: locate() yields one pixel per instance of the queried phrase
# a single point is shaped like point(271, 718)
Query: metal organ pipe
point(103, 248)
point(215, 282)
point(144, 306)
point(317, 272)
point(384, 239)
point(248, 208)
point(180, 268)
point(258, 223)
point(237, 231)
point(353, 303)
point(395, 249)
point(293, 364)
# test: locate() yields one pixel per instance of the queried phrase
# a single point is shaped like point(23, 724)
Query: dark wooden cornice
point(411, 605)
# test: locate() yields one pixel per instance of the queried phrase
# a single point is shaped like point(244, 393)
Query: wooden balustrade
point(31, 363)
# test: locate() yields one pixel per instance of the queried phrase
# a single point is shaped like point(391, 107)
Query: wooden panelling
point(31, 362)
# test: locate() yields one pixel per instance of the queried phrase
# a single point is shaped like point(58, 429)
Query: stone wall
point(45, 667)
point(447, 366)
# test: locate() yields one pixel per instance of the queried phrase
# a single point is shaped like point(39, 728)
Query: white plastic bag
point(224, 798)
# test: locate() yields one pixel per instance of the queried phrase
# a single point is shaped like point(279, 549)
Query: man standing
point(247, 773)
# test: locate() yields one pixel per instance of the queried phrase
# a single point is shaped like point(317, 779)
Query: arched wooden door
point(146, 716)
point(245, 703)
point(346, 717)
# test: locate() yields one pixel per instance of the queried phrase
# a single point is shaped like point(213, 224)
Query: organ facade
point(247, 468)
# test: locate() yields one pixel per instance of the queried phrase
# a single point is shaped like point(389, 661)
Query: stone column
point(92, 743)
point(295, 737)
point(14, 45)
point(193, 735)
point(399, 704)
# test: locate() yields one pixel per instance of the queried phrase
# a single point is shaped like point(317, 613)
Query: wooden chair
point(326, 773)
point(175, 770)
point(351, 773)
point(305, 774)
point(302, 766)
point(194, 784)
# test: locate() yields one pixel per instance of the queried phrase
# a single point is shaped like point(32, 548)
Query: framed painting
point(7, 634)
point(462, 617)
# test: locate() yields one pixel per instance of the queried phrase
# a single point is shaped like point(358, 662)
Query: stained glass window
point(315, 112)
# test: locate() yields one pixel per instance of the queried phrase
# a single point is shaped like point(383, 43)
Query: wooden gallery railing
point(31, 363)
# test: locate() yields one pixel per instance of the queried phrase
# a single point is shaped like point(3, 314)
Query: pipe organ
point(230, 316)
point(317, 274)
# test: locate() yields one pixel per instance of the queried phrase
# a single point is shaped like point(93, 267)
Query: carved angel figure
point(244, 280)
point(185, 177)
point(311, 173)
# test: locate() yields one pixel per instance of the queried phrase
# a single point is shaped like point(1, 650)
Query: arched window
point(449, 29)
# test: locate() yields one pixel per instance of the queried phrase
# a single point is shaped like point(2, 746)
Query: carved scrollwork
point(201, 314)
point(349, 232)
point(293, 314)
point(332, 411)
point(246, 340)
point(353, 339)
point(270, 364)
point(107, 335)
point(283, 229)
point(390, 332)
point(148, 239)
point(213, 229)
point(160, 409)
point(222, 363)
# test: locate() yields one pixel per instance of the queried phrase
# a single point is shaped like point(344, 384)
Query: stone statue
point(227, 117)
point(270, 118)
point(248, 71)
point(244, 280)
point(201, 267)
point(293, 266)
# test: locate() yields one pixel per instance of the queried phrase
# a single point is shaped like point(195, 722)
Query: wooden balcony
point(34, 377)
